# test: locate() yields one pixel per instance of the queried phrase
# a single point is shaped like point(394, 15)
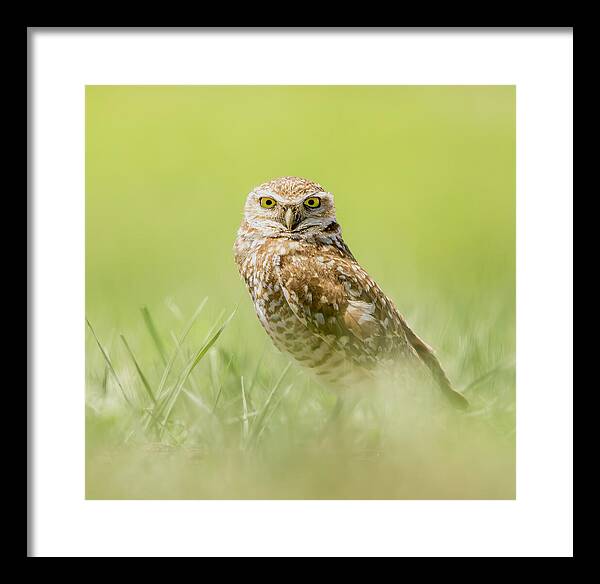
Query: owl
point(313, 298)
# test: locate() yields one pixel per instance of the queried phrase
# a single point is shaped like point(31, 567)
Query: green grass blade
point(154, 333)
point(195, 399)
point(108, 362)
point(167, 370)
point(184, 360)
point(178, 345)
point(231, 359)
point(214, 326)
point(271, 412)
point(220, 391)
point(245, 423)
point(105, 379)
point(259, 423)
point(172, 306)
point(257, 368)
point(138, 369)
point(169, 401)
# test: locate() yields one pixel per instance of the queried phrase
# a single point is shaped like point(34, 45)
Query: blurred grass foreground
point(185, 395)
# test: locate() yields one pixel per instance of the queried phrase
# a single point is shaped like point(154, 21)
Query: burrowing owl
point(312, 297)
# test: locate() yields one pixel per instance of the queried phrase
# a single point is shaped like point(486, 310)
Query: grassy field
point(185, 395)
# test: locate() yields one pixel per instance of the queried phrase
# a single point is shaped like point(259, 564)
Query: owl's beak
point(290, 219)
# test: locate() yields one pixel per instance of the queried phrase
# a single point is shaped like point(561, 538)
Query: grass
point(214, 423)
point(187, 398)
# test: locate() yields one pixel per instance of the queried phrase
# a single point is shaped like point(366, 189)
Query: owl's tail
point(428, 357)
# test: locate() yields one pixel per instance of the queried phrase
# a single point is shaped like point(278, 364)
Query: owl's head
point(289, 206)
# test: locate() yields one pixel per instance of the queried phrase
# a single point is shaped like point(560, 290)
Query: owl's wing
point(337, 300)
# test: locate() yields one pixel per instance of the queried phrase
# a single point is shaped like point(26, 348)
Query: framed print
point(290, 288)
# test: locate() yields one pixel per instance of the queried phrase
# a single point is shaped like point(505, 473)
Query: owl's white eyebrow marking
point(279, 198)
point(319, 195)
point(266, 193)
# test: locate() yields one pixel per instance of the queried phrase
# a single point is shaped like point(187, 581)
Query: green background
point(424, 180)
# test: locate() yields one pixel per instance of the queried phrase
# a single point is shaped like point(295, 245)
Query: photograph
point(300, 292)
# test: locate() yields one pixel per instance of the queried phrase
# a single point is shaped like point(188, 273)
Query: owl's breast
point(259, 270)
point(288, 332)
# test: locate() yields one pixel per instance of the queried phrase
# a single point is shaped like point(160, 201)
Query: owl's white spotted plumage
point(311, 295)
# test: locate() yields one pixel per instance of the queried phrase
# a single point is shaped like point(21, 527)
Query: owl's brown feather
point(360, 320)
point(337, 301)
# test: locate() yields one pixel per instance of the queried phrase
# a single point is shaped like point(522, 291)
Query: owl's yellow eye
point(312, 202)
point(267, 202)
